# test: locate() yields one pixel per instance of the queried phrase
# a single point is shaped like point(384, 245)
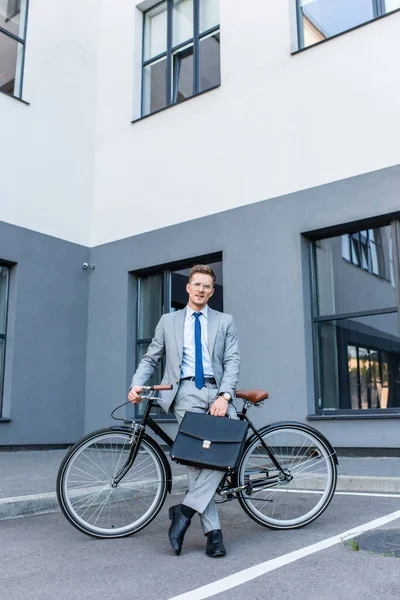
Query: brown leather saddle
point(253, 396)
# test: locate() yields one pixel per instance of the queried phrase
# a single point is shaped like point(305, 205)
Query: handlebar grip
point(162, 388)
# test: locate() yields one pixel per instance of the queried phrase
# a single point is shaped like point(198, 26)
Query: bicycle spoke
point(100, 508)
point(86, 474)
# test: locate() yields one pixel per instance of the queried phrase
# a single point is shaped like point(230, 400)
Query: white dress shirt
point(189, 355)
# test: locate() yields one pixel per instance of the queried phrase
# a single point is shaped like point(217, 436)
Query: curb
point(35, 504)
point(362, 483)
point(23, 506)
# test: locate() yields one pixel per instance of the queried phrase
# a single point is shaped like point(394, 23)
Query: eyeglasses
point(207, 287)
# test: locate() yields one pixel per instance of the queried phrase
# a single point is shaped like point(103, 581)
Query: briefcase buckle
point(206, 444)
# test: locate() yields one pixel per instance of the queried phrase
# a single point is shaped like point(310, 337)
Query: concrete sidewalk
point(28, 479)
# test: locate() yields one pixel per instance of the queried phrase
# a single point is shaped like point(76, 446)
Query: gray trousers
point(202, 483)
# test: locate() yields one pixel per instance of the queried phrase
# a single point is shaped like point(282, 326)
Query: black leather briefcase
point(209, 442)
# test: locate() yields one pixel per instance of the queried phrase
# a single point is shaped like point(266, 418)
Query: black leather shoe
point(178, 528)
point(215, 546)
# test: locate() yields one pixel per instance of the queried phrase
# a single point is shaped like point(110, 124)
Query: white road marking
point(227, 583)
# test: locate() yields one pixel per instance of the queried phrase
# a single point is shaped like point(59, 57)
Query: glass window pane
point(182, 21)
point(385, 380)
point(346, 247)
point(364, 249)
point(359, 362)
point(391, 265)
point(352, 361)
point(3, 297)
point(12, 14)
point(155, 86)
point(210, 73)
point(10, 61)
point(321, 19)
point(364, 283)
point(373, 252)
point(2, 353)
point(376, 385)
point(355, 249)
point(183, 74)
point(150, 301)
point(209, 14)
point(155, 31)
point(363, 359)
point(328, 365)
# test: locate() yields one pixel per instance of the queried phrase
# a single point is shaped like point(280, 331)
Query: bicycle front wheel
point(282, 504)
point(84, 484)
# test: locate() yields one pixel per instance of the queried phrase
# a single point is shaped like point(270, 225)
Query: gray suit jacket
point(223, 345)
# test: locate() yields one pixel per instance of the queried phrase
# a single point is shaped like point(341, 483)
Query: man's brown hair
point(204, 269)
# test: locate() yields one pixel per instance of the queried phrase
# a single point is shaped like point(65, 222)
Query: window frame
point(21, 40)
point(379, 12)
point(3, 334)
point(313, 238)
point(171, 52)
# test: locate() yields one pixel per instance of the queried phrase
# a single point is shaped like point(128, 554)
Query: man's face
point(200, 290)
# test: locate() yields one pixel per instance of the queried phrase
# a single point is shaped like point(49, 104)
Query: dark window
point(209, 62)
point(321, 19)
point(162, 292)
point(181, 55)
point(4, 279)
point(12, 45)
point(155, 85)
point(356, 320)
point(183, 74)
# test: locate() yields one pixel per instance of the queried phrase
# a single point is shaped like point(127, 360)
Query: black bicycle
point(114, 481)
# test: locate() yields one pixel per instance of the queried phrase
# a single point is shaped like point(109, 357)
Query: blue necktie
point(199, 373)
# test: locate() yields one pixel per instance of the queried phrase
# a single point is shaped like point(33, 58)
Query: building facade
point(146, 136)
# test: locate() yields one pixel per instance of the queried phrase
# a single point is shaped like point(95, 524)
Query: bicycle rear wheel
point(84, 489)
point(287, 504)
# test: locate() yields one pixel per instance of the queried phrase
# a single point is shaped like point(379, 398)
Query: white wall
point(278, 124)
point(47, 148)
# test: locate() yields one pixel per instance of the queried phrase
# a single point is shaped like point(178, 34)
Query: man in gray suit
point(202, 363)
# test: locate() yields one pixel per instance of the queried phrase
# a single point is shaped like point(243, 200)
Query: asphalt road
point(43, 557)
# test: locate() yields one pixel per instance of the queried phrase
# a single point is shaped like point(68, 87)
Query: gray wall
point(44, 393)
point(266, 287)
point(71, 334)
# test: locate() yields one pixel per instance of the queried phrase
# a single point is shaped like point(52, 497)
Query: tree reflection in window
point(368, 377)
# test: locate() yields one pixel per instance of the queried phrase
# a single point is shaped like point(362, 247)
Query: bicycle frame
point(138, 431)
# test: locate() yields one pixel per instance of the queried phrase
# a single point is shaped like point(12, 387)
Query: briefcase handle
point(227, 416)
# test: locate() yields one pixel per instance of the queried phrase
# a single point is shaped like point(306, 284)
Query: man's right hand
point(134, 394)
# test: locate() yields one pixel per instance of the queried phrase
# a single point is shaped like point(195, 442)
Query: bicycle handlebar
point(157, 388)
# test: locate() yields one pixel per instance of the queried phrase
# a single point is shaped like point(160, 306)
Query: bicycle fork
point(137, 435)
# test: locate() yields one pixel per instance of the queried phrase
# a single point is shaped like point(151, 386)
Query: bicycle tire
point(84, 489)
point(311, 462)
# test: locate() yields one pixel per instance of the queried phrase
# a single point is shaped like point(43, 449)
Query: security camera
point(85, 265)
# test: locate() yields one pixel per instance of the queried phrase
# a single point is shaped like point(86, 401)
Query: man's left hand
point(219, 407)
